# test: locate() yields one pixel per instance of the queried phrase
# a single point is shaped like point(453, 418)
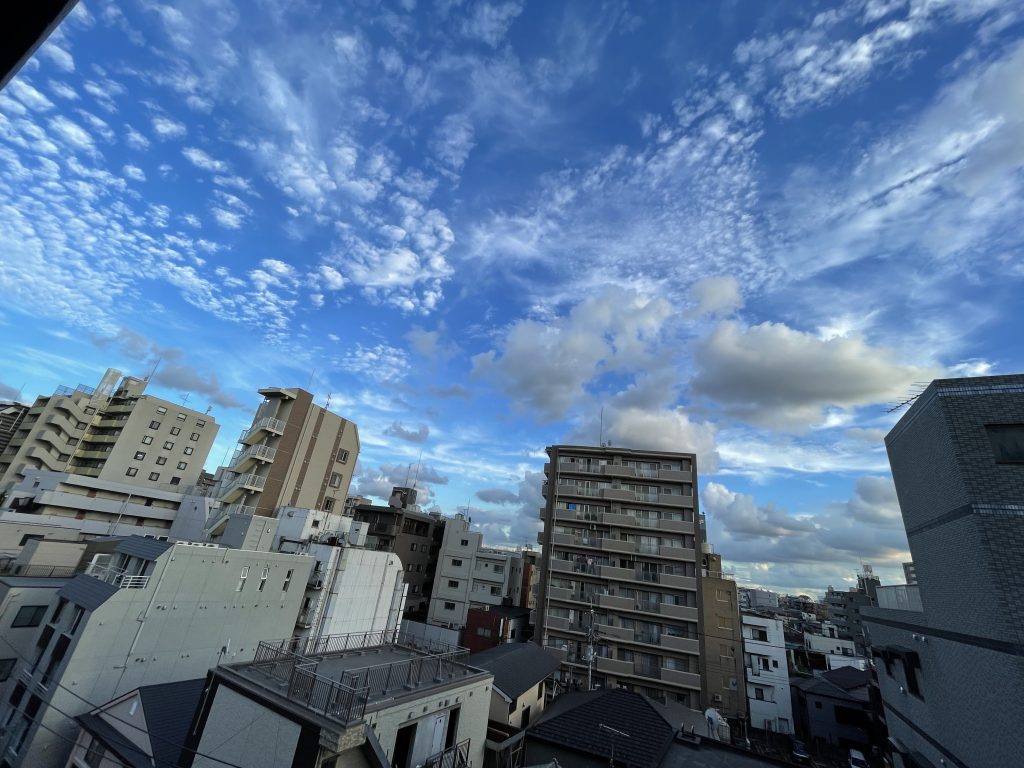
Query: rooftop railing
point(117, 577)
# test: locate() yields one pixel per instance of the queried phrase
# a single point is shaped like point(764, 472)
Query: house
point(834, 708)
point(520, 670)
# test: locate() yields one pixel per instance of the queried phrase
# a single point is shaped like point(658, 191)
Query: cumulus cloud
point(418, 435)
point(497, 496)
point(545, 367)
point(775, 376)
point(515, 523)
point(203, 161)
point(377, 482)
point(134, 173)
point(168, 128)
point(715, 296)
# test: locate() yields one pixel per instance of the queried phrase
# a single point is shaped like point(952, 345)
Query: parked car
point(799, 754)
point(857, 759)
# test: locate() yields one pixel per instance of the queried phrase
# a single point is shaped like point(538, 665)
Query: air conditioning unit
point(717, 698)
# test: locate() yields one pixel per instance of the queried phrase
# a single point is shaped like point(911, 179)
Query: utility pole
point(592, 635)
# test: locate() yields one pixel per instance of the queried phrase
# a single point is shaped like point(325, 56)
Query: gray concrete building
point(350, 700)
point(949, 662)
point(619, 572)
point(113, 432)
point(294, 454)
point(11, 414)
point(145, 612)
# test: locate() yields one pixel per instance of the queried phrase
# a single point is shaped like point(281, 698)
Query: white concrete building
point(146, 612)
point(764, 658)
point(467, 576)
point(753, 599)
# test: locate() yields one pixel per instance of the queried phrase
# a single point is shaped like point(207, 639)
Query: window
point(499, 569)
point(342, 456)
point(182, 464)
point(465, 542)
point(759, 694)
point(94, 755)
point(449, 606)
point(817, 705)
point(147, 440)
point(175, 431)
point(188, 450)
point(131, 472)
point(140, 455)
point(61, 603)
point(328, 504)
point(154, 476)
point(161, 410)
point(200, 423)
point(287, 580)
point(412, 547)
point(453, 583)
point(495, 591)
point(174, 481)
point(90, 410)
point(484, 632)
point(6, 667)
point(263, 579)
point(314, 524)
point(161, 460)
point(154, 425)
point(29, 616)
point(456, 563)
point(1007, 441)
point(194, 436)
point(335, 479)
point(242, 578)
point(168, 445)
point(181, 417)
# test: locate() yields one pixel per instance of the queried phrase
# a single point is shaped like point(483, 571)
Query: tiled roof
point(140, 546)
point(169, 709)
point(587, 723)
point(87, 591)
point(517, 667)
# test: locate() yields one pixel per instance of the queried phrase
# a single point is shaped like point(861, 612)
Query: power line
point(53, 706)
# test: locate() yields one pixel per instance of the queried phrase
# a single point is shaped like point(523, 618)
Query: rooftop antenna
point(186, 397)
point(311, 375)
point(419, 461)
point(408, 471)
point(327, 405)
point(156, 365)
point(916, 390)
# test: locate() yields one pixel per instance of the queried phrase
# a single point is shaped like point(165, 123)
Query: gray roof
point(113, 740)
point(140, 546)
point(837, 684)
point(87, 591)
point(169, 709)
point(517, 667)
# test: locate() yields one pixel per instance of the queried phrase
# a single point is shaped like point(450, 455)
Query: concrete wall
point(244, 732)
point(365, 594)
point(775, 712)
point(13, 530)
point(532, 700)
point(15, 593)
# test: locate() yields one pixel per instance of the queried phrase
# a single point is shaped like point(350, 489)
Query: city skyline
point(485, 228)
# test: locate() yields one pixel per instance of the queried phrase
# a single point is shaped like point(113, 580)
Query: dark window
point(200, 423)
point(335, 480)
point(453, 583)
point(182, 464)
point(161, 460)
point(29, 616)
point(79, 613)
point(154, 425)
point(1007, 442)
point(449, 606)
point(61, 602)
point(131, 471)
point(343, 456)
point(817, 705)
point(175, 481)
point(465, 542)
point(456, 563)
point(168, 445)
point(140, 455)
point(147, 440)
point(6, 667)
point(30, 537)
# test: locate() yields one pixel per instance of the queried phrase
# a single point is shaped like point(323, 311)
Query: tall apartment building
point(112, 432)
point(415, 536)
point(910, 573)
point(11, 414)
point(767, 671)
point(145, 612)
point(619, 570)
point(948, 652)
point(294, 454)
point(721, 640)
point(468, 575)
point(525, 575)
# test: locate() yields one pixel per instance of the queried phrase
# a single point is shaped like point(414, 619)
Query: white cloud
point(773, 375)
point(168, 128)
point(489, 22)
point(59, 56)
point(228, 219)
point(63, 90)
point(203, 161)
point(331, 278)
point(133, 172)
point(381, 361)
point(453, 141)
point(715, 296)
point(134, 139)
point(417, 435)
point(29, 96)
point(72, 134)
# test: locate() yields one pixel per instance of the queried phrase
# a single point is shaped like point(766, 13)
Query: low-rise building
point(834, 709)
point(494, 625)
point(767, 673)
point(521, 671)
point(756, 599)
point(721, 646)
point(345, 701)
point(145, 612)
point(468, 575)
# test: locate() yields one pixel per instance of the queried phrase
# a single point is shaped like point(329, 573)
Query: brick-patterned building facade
point(950, 664)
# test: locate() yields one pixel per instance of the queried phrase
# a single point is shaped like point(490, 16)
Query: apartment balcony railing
point(252, 453)
point(266, 424)
point(117, 576)
point(456, 756)
point(900, 597)
point(243, 483)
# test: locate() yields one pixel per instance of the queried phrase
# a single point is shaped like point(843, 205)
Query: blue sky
point(738, 228)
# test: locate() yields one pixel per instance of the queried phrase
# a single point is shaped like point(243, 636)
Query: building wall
point(18, 642)
point(15, 532)
point(242, 731)
point(531, 701)
point(820, 644)
point(365, 594)
point(818, 721)
point(456, 568)
point(722, 646)
point(767, 671)
point(11, 414)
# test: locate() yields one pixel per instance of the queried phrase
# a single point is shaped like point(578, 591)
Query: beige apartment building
point(294, 454)
point(619, 588)
point(721, 640)
point(113, 432)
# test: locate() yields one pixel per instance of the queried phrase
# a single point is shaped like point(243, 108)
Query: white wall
point(820, 644)
point(365, 594)
point(767, 672)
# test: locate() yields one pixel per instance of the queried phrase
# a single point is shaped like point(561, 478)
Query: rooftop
point(341, 677)
point(517, 667)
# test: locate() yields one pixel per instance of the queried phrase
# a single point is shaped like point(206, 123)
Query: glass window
point(175, 481)
point(154, 425)
point(29, 616)
point(194, 436)
point(449, 606)
point(175, 431)
point(181, 417)
point(456, 563)
point(188, 450)
point(343, 456)
point(140, 455)
point(200, 423)
point(6, 667)
point(287, 579)
point(147, 440)
point(182, 464)
point(453, 583)
point(161, 410)
point(335, 479)
point(154, 476)
point(168, 445)
point(94, 755)
point(131, 472)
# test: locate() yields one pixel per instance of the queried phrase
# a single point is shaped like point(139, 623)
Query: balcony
point(678, 611)
point(650, 671)
point(684, 644)
point(613, 666)
point(677, 677)
point(456, 756)
point(243, 484)
point(267, 424)
point(674, 500)
point(617, 545)
point(679, 582)
point(101, 438)
point(609, 632)
point(558, 593)
point(249, 456)
point(615, 602)
point(900, 597)
point(117, 577)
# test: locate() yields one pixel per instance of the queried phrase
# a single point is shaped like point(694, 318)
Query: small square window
point(90, 410)
point(343, 456)
point(449, 606)
point(131, 472)
point(175, 431)
point(161, 460)
point(465, 542)
point(335, 479)
point(154, 476)
point(200, 423)
point(188, 450)
point(161, 410)
point(182, 464)
point(453, 583)
point(29, 616)
point(147, 440)
point(154, 425)
point(168, 445)
point(175, 481)
point(456, 563)
point(181, 417)
point(194, 436)
point(140, 455)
